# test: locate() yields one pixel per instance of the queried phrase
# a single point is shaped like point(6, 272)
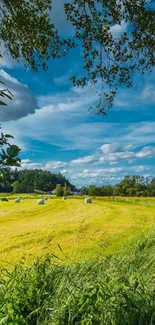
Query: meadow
point(70, 230)
point(71, 263)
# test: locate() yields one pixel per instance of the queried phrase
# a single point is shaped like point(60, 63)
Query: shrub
point(4, 199)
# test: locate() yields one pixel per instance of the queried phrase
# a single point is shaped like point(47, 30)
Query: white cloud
point(136, 97)
point(140, 134)
point(64, 171)
point(117, 30)
point(147, 151)
point(148, 93)
point(28, 164)
point(84, 160)
point(63, 120)
point(71, 101)
point(138, 169)
point(110, 147)
point(98, 175)
point(55, 165)
point(79, 175)
point(23, 102)
point(115, 153)
point(115, 158)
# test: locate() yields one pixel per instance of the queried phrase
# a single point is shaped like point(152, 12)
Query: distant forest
point(130, 186)
point(31, 181)
point(37, 181)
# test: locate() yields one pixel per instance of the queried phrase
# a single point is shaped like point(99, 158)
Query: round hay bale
point(88, 200)
point(45, 198)
point(64, 197)
point(41, 201)
point(17, 200)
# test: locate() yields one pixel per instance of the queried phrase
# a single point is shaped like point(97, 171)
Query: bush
point(59, 190)
point(4, 199)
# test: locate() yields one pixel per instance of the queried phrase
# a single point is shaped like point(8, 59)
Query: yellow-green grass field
point(71, 229)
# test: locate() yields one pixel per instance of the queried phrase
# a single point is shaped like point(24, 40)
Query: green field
point(101, 266)
point(71, 229)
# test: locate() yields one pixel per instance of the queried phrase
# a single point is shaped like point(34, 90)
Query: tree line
point(37, 181)
point(129, 186)
point(31, 181)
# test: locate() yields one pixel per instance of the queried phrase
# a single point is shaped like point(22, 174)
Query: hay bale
point(41, 201)
point(45, 198)
point(4, 199)
point(17, 200)
point(88, 200)
point(64, 197)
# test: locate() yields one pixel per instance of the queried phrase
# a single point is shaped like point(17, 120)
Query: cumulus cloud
point(63, 121)
point(23, 103)
point(110, 148)
point(114, 153)
point(69, 110)
point(108, 175)
point(55, 165)
point(84, 160)
point(114, 158)
point(28, 164)
point(147, 151)
point(79, 175)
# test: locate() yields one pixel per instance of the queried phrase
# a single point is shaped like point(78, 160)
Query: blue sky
point(51, 123)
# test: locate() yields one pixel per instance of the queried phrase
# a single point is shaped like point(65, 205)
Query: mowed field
point(70, 230)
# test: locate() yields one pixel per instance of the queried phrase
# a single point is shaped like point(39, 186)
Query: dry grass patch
point(81, 230)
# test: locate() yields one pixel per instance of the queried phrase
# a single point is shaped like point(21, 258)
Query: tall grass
point(117, 290)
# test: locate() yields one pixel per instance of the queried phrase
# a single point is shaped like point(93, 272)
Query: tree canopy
point(30, 181)
point(40, 181)
point(28, 34)
point(129, 186)
point(59, 190)
point(109, 60)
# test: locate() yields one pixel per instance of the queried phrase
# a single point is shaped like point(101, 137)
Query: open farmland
point(71, 229)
